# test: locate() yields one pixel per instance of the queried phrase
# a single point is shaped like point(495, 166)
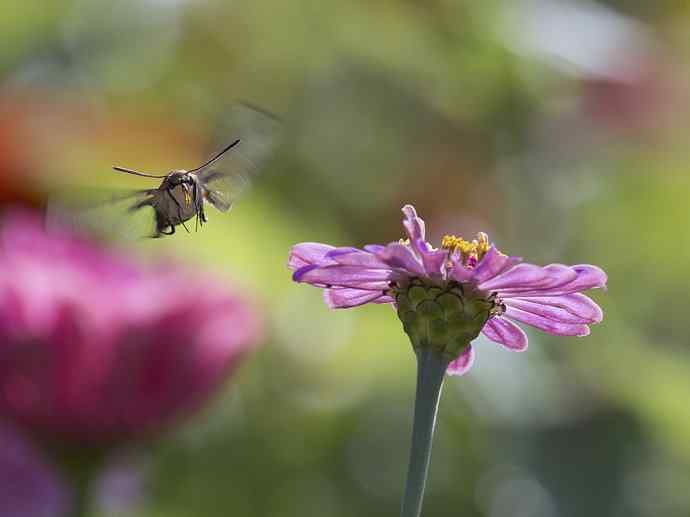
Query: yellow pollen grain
point(476, 249)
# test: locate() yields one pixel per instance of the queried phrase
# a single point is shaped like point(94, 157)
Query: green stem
point(81, 467)
point(431, 370)
point(81, 497)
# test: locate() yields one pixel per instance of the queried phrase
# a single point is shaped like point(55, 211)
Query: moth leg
point(179, 213)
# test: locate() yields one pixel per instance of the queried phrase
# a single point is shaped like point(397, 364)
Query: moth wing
point(228, 178)
point(104, 213)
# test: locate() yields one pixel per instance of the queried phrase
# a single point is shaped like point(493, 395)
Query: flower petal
point(374, 248)
point(433, 260)
point(546, 324)
point(357, 258)
point(588, 277)
point(506, 333)
point(463, 363)
point(547, 311)
point(521, 275)
point(399, 256)
point(493, 264)
point(343, 250)
point(557, 276)
point(343, 298)
point(577, 304)
point(413, 224)
point(307, 253)
point(460, 273)
point(344, 276)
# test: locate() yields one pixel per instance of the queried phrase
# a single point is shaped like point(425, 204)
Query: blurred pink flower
point(97, 349)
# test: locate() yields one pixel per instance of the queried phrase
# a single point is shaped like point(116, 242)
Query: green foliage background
point(385, 103)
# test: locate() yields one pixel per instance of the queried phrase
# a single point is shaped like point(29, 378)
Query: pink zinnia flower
point(446, 296)
point(94, 348)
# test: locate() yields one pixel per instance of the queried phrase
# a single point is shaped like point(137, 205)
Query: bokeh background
point(560, 127)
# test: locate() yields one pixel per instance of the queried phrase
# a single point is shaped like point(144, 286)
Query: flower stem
point(81, 498)
point(431, 370)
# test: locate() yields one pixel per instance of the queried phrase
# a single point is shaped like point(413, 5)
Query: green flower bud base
point(443, 318)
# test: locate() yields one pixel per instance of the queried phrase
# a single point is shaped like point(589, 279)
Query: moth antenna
point(137, 173)
point(217, 156)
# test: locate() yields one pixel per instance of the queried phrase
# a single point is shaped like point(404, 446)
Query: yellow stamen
point(405, 242)
point(470, 251)
point(483, 245)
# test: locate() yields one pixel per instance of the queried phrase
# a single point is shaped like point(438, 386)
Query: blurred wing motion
point(229, 177)
point(102, 212)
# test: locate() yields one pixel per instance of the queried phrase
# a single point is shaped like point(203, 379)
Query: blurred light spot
point(582, 38)
point(533, 391)
point(508, 491)
point(120, 488)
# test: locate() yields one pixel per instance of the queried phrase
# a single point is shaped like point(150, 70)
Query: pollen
point(187, 198)
point(470, 251)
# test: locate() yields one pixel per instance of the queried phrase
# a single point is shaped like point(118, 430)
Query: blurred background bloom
point(97, 349)
point(559, 127)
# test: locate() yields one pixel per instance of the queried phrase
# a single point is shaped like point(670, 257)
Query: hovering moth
point(182, 195)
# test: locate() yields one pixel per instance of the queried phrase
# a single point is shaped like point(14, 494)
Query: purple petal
point(399, 256)
point(343, 250)
point(588, 277)
point(463, 363)
point(343, 298)
point(557, 314)
point(344, 276)
point(433, 260)
point(521, 275)
point(413, 224)
point(357, 258)
point(307, 253)
point(506, 333)
point(558, 275)
point(374, 248)
point(576, 304)
point(547, 325)
point(493, 264)
point(459, 272)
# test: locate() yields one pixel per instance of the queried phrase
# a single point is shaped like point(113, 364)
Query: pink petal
point(357, 258)
point(505, 333)
point(307, 253)
point(463, 363)
point(433, 260)
point(374, 248)
point(551, 312)
point(413, 224)
point(343, 298)
point(547, 325)
point(460, 273)
point(577, 304)
point(344, 276)
point(522, 275)
point(557, 276)
point(399, 256)
point(493, 264)
point(588, 277)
